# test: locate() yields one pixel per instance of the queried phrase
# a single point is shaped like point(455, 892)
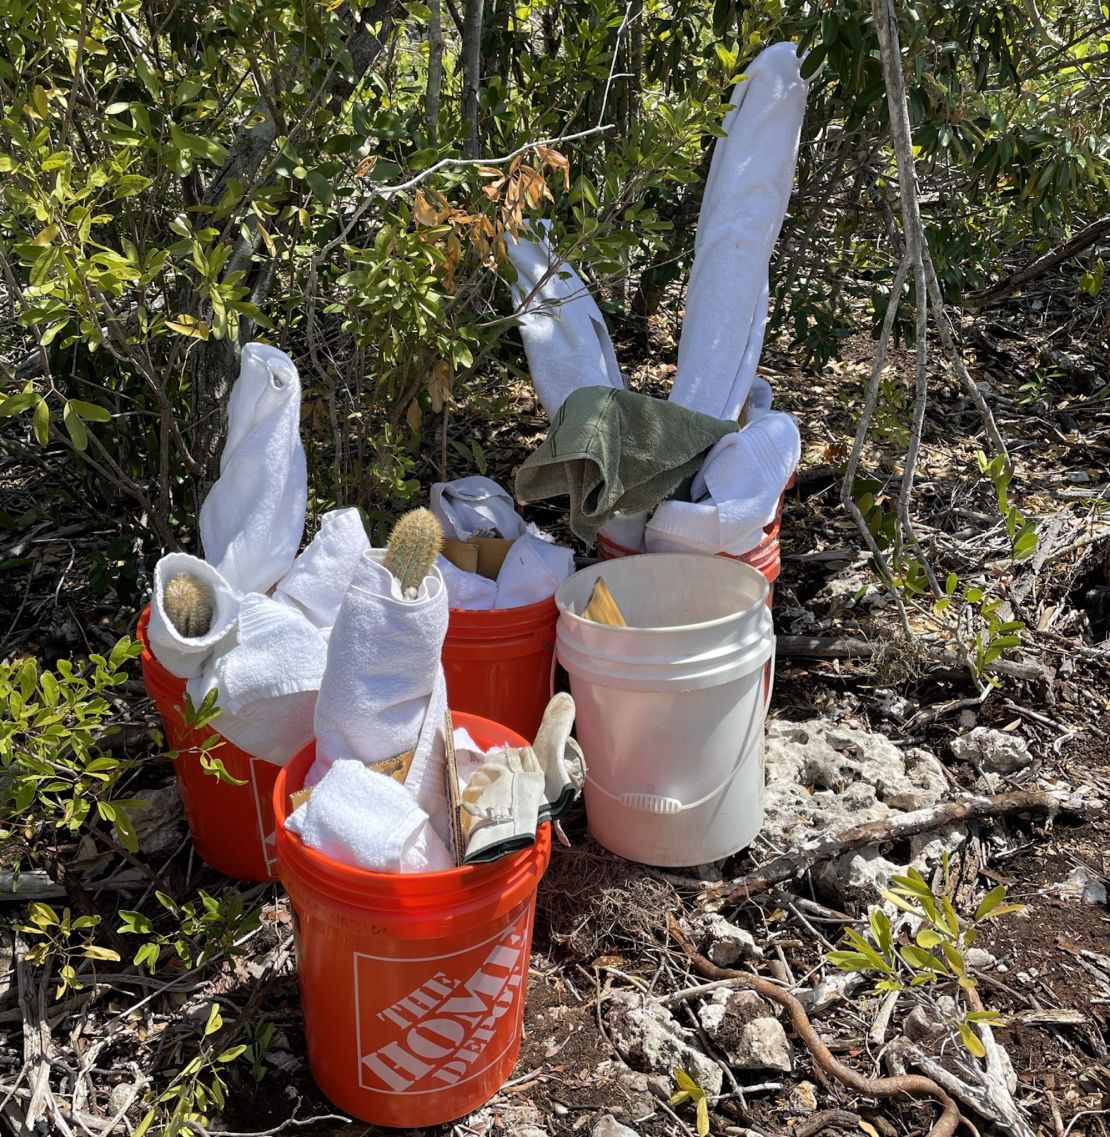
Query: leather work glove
point(500, 806)
point(517, 788)
point(560, 757)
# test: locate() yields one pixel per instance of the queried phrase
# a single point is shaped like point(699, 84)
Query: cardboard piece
point(602, 608)
point(396, 768)
point(483, 555)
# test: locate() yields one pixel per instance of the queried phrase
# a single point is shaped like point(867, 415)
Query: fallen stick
point(913, 1084)
point(792, 865)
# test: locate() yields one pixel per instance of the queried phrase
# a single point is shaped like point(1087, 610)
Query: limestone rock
point(979, 958)
point(823, 777)
point(727, 1010)
point(649, 1038)
point(728, 943)
point(608, 1126)
point(995, 751)
point(762, 1045)
point(160, 826)
point(803, 1098)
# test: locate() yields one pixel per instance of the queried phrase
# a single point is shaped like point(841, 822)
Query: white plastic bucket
point(670, 710)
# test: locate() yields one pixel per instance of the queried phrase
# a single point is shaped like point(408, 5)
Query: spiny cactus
point(413, 547)
point(189, 604)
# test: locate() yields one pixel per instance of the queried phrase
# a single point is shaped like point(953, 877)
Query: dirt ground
point(602, 923)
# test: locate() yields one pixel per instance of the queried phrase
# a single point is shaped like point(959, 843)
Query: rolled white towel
point(736, 491)
point(565, 336)
point(186, 656)
point(745, 200)
point(359, 817)
point(252, 520)
point(321, 575)
point(267, 682)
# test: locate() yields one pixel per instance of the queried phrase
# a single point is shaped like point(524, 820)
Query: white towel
point(760, 399)
point(626, 530)
point(359, 817)
point(473, 505)
point(565, 336)
point(252, 520)
point(180, 655)
point(736, 491)
point(320, 576)
point(267, 682)
point(469, 590)
point(745, 200)
point(383, 690)
point(532, 570)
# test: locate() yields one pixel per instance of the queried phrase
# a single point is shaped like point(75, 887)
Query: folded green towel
point(615, 451)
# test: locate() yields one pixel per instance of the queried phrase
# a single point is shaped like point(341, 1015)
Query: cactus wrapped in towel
point(413, 547)
point(189, 604)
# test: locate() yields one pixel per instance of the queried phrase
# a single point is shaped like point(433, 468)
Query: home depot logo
point(451, 1027)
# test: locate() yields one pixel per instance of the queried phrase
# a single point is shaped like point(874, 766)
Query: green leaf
point(703, 1116)
point(94, 952)
point(215, 1020)
point(189, 326)
point(990, 902)
point(78, 435)
point(41, 422)
point(232, 1053)
point(972, 1041)
point(90, 412)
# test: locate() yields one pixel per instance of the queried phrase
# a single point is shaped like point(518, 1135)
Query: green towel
point(615, 451)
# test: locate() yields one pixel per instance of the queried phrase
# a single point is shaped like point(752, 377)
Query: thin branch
point(1084, 239)
point(792, 865)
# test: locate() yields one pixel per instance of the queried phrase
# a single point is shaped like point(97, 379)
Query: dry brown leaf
point(440, 385)
point(423, 210)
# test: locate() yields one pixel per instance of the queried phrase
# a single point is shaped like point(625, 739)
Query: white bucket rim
point(669, 629)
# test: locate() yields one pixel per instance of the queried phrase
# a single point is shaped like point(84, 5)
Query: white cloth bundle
point(359, 817)
point(320, 576)
point(745, 200)
point(475, 505)
point(736, 492)
point(267, 682)
point(760, 399)
point(565, 336)
point(532, 570)
point(186, 656)
point(626, 530)
point(468, 590)
point(383, 690)
point(252, 520)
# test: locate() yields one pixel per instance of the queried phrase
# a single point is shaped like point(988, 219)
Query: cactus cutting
point(413, 547)
point(189, 604)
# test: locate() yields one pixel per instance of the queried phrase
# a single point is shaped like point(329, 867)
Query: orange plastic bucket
point(498, 663)
point(412, 984)
point(232, 826)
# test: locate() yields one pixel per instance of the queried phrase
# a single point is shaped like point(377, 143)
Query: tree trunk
point(472, 65)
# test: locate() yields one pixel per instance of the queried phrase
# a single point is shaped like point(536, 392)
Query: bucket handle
point(660, 804)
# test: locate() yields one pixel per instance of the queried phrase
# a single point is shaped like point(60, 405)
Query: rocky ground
point(638, 973)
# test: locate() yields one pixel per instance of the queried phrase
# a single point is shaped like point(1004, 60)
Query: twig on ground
point(977, 1097)
point(793, 864)
point(826, 1119)
point(911, 1084)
